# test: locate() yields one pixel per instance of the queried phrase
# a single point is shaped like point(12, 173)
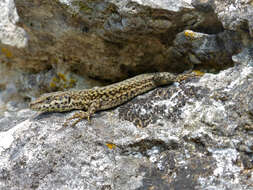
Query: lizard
point(89, 101)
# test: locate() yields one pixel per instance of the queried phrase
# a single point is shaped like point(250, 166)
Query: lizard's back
point(105, 97)
point(121, 92)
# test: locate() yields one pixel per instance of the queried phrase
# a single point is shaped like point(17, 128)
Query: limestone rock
point(235, 15)
point(107, 40)
point(193, 135)
point(196, 134)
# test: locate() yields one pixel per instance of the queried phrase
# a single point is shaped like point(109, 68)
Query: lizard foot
point(80, 115)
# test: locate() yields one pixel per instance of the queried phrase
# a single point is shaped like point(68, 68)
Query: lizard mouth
point(36, 106)
point(33, 106)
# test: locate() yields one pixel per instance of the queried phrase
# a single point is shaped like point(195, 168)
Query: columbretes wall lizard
point(89, 101)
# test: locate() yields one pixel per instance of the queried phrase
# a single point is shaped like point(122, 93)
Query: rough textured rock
point(235, 15)
point(10, 33)
point(205, 50)
point(194, 135)
point(109, 40)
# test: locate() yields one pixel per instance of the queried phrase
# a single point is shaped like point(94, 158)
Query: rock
point(10, 33)
point(108, 40)
point(235, 15)
point(196, 134)
point(244, 57)
point(206, 50)
point(192, 135)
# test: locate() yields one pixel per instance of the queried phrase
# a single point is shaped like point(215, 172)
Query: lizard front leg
point(83, 114)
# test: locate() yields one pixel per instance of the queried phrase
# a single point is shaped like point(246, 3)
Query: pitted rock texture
point(113, 40)
point(198, 135)
point(235, 15)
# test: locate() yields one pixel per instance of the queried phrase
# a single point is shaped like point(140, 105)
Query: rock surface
point(10, 33)
point(194, 135)
point(235, 15)
point(109, 40)
point(191, 135)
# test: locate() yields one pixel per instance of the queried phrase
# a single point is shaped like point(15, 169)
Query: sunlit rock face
point(10, 33)
point(107, 40)
point(196, 134)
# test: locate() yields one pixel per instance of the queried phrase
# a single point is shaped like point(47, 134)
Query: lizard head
point(56, 101)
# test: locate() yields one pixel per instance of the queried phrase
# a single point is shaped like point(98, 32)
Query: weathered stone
point(108, 40)
point(235, 15)
point(205, 50)
point(10, 33)
point(192, 137)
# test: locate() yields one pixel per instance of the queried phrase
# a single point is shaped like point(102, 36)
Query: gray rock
point(193, 135)
point(196, 134)
point(244, 57)
point(206, 50)
point(107, 40)
point(10, 33)
point(235, 15)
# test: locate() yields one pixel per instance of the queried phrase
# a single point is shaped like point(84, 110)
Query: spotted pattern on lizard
point(89, 101)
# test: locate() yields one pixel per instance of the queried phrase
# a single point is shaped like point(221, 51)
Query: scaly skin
point(101, 98)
